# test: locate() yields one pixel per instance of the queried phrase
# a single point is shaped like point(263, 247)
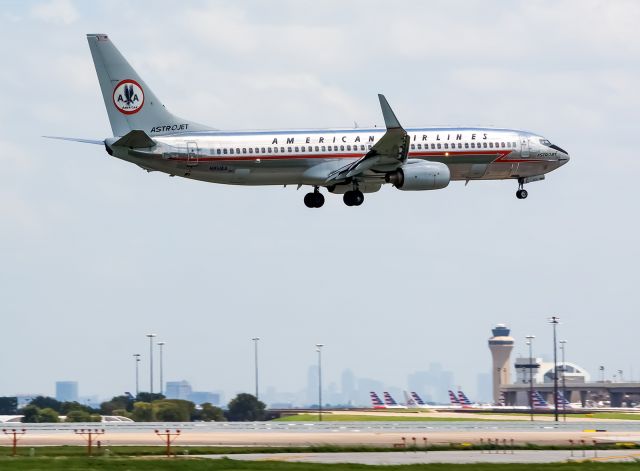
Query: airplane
point(350, 162)
point(453, 399)
point(376, 402)
point(539, 402)
point(464, 400)
point(417, 401)
point(390, 402)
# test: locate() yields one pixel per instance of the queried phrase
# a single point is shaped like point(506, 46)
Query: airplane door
point(192, 154)
point(524, 147)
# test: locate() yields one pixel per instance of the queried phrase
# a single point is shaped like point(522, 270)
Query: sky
point(95, 252)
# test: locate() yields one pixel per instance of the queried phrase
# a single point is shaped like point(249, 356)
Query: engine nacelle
point(418, 175)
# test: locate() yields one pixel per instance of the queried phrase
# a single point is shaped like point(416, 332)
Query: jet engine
point(419, 175)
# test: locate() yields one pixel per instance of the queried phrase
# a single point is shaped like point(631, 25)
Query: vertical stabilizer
point(131, 104)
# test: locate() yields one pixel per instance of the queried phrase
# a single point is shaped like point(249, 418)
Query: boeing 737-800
point(350, 162)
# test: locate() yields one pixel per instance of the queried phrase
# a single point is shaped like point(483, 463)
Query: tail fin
point(453, 398)
point(418, 400)
point(375, 401)
point(388, 399)
point(131, 104)
point(464, 400)
point(538, 401)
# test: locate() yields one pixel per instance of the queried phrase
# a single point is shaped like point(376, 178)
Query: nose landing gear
point(521, 193)
point(314, 200)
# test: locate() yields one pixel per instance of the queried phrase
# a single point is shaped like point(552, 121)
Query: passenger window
point(473, 145)
point(288, 149)
point(275, 150)
point(282, 149)
point(446, 146)
point(237, 150)
point(244, 151)
point(349, 147)
point(250, 150)
point(466, 145)
point(231, 151)
point(262, 150)
point(369, 146)
point(433, 146)
point(324, 148)
point(219, 151)
point(302, 149)
point(491, 145)
point(257, 150)
point(317, 149)
point(413, 147)
point(439, 146)
point(269, 150)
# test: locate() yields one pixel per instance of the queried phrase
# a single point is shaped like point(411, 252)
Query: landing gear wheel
point(348, 198)
point(318, 199)
point(353, 198)
point(314, 200)
point(358, 198)
point(522, 194)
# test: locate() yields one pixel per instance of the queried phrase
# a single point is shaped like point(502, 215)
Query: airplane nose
point(564, 155)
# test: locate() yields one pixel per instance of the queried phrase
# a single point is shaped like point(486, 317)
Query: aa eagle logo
point(128, 97)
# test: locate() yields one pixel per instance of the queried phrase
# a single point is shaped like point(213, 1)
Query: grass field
point(122, 464)
point(373, 418)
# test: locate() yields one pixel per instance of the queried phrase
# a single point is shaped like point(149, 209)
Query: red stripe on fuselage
point(500, 156)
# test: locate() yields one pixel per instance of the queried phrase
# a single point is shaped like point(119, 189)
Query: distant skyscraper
point(500, 345)
point(432, 384)
point(178, 390)
point(348, 386)
point(67, 391)
point(483, 387)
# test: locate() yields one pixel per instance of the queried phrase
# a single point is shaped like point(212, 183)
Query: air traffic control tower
point(500, 345)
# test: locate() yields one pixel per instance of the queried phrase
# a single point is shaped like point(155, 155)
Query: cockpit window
point(545, 142)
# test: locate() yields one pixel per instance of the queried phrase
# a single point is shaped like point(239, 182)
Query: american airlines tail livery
point(350, 162)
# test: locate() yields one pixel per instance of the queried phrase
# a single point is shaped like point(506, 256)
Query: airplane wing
point(386, 155)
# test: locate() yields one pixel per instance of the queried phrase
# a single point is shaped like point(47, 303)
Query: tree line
point(145, 407)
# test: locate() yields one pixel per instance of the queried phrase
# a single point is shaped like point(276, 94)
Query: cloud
point(56, 11)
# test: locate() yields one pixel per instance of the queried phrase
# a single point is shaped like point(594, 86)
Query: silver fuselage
point(306, 157)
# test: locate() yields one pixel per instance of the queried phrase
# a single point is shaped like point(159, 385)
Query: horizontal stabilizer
point(135, 140)
point(76, 139)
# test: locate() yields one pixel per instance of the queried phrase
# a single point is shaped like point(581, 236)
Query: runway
point(388, 434)
point(402, 458)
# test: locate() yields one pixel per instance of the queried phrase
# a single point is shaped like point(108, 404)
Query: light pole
point(564, 384)
point(554, 321)
point(530, 344)
point(319, 350)
point(161, 344)
point(137, 360)
point(255, 361)
point(151, 336)
point(602, 372)
point(620, 376)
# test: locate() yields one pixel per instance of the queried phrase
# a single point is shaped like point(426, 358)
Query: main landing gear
point(353, 198)
point(521, 193)
point(314, 200)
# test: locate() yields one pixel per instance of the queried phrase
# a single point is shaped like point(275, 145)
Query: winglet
point(390, 119)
